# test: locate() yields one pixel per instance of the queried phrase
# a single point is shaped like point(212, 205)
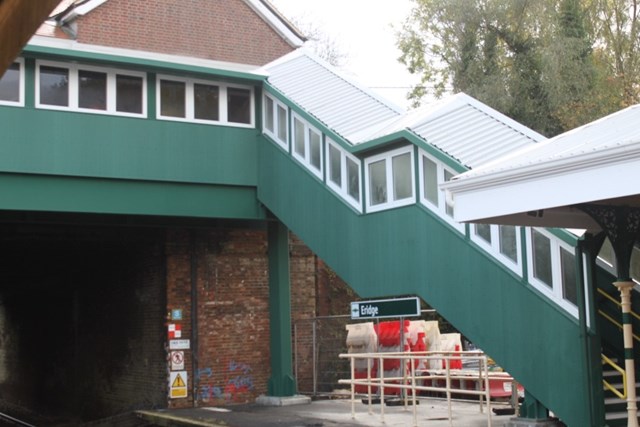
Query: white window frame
point(493, 248)
point(189, 100)
point(343, 189)
point(441, 208)
point(20, 102)
point(555, 292)
point(274, 135)
point(306, 159)
point(387, 157)
point(74, 88)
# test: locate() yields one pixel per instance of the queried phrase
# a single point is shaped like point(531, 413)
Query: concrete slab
point(332, 413)
point(519, 422)
point(283, 400)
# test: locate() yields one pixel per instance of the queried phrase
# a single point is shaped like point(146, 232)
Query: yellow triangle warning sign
point(178, 382)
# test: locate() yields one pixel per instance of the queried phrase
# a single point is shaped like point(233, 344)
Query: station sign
point(376, 309)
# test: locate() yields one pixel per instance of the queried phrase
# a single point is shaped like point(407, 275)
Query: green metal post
point(532, 408)
point(281, 382)
point(590, 245)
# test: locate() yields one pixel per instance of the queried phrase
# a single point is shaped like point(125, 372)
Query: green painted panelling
point(86, 195)
point(80, 144)
point(407, 251)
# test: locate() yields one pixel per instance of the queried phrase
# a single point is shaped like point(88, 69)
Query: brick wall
point(231, 269)
point(226, 30)
point(230, 266)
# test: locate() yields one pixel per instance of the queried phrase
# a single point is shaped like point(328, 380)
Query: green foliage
point(546, 64)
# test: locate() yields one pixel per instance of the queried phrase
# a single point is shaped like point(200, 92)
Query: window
point(12, 84)
point(90, 89)
point(389, 179)
point(307, 145)
point(432, 173)
point(502, 241)
point(54, 86)
point(204, 101)
point(568, 265)
point(552, 268)
point(239, 105)
point(173, 99)
point(343, 175)
point(129, 94)
point(542, 258)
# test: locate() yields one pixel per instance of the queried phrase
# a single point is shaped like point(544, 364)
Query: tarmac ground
point(430, 412)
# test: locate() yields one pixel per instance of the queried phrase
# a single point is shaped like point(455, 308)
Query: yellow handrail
point(615, 322)
point(606, 383)
point(616, 302)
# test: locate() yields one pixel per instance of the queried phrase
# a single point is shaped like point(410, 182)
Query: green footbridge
point(358, 181)
point(546, 311)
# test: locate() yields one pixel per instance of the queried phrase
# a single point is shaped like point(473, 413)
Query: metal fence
point(318, 343)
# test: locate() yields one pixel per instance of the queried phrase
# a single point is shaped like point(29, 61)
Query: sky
point(364, 31)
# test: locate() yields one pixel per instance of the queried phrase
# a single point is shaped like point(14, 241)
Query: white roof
point(341, 104)
point(540, 185)
point(464, 128)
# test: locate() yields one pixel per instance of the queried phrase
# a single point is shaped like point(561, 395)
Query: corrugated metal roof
point(466, 129)
point(328, 95)
point(460, 126)
point(616, 130)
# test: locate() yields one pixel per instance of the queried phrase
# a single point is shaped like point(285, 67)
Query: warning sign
point(177, 384)
point(177, 360)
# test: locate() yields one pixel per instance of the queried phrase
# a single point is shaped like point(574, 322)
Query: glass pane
point(129, 94)
point(448, 209)
point(508, 242)
point(239, 105)
point(542, 258)
point(92, 90)
point(402, 176)
point(206, 102)
point(377, 183)
point(567, 261)
point(268, 113)
point(315, 150)
point(282, 124)
point(298, 132)
point(430, 180)
point(484, 232)
point(353, 179)
point(54, 86)
point(172, 98)
point(335, 171)
point(10, 84)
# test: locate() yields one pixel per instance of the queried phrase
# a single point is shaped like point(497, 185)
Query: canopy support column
point(622, 226)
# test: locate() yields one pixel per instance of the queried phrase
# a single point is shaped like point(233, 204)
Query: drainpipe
point(194, 317)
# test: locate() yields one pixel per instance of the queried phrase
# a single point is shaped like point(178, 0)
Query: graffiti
point(238, 381)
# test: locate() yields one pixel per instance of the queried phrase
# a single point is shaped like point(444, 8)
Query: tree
point(532, 60)
point(320, 42)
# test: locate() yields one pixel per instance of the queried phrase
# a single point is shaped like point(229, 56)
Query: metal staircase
point(409, 250)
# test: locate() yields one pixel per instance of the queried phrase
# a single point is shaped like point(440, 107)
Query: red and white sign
point(175, 331)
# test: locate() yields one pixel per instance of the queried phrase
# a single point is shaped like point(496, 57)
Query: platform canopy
point(545, 184)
